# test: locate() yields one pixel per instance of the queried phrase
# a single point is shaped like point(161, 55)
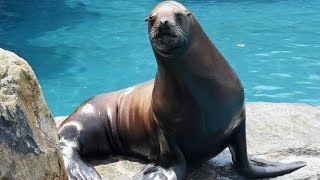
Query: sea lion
point(191, 111)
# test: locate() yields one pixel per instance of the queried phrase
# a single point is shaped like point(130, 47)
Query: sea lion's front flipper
point(257, 168)
point(170, 166)
point(77, 168)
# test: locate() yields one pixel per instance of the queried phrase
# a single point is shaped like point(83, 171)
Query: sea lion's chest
point(202, 135)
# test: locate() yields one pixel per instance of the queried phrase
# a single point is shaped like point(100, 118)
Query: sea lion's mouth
point(164, 33)
point(166, 39)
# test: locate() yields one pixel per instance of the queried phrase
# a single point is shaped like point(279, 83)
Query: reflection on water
point(25, 20)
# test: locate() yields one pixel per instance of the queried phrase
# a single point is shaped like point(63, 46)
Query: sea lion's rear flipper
point(170, 166)
point(257, 168)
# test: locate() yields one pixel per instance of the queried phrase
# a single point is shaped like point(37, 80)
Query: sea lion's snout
point(165, 28)
point(163, 22)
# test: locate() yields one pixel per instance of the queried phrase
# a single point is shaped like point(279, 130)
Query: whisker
point(183, 34)
point(184, 37)
point(153, 31)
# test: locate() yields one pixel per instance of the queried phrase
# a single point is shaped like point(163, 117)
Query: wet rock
point(29, 146)
point(276, 131)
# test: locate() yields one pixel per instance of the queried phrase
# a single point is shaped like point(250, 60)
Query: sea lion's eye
point(151, 17)
point(179, 15)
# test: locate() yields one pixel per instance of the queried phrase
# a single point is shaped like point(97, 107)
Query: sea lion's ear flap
point(187, 12)
point(150, 17)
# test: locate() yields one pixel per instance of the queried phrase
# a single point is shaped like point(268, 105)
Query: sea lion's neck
point(168, 92)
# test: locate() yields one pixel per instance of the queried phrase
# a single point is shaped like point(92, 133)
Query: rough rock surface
point(275, 131)
point(29, 147)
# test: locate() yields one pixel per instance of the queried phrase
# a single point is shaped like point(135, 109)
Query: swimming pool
point(80, 48)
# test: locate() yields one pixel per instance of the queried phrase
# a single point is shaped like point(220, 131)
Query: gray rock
point(29, 145)
point(275, 131)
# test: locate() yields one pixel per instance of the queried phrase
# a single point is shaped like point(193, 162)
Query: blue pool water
point(79, 48)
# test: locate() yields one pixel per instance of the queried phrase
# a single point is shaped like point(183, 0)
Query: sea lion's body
point(191, 111)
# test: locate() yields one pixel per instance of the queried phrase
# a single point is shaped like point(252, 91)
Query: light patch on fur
point(160, 174)
point(70, 143)
point(88, 108)
point(128, 91)
point(68, 152)
point(109, 112)
point(75, 124)
point(68, 149)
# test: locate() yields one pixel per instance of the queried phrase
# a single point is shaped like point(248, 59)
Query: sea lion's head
point(169, 27)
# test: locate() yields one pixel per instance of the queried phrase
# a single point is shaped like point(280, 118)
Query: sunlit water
point(80, 48)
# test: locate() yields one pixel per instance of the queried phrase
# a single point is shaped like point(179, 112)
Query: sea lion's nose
point(163, 21)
